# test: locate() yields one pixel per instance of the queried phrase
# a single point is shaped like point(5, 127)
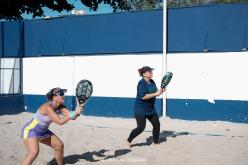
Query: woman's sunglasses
point(60, 94)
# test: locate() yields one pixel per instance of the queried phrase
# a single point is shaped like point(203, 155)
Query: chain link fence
point(139, 5)
point(10, 76)
point(187, 3)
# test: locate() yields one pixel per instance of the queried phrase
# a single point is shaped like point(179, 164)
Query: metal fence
point(10, 76)
point(186, 3)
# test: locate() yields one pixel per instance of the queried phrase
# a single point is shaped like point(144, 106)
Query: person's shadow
point(162, 138)
point(93, 156)
point(101, 155)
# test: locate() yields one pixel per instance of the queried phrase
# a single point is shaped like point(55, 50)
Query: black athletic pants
point(141, 124)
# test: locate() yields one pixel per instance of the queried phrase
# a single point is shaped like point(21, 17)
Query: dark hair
point(140, 72)
point(143, 70)
point(54, 92)
point(49, 95)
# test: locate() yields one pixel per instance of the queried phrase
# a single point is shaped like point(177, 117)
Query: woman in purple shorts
point(36, 130)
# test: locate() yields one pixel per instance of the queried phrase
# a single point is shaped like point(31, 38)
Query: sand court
point(99, 140)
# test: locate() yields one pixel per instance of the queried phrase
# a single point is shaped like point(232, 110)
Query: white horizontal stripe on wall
point(40, 74)
point(211, 76)
point(111, 75)
point(220, 76)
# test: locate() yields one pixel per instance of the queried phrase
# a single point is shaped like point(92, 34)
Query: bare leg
point(32, 145)
point(127, 144)
point(58, 146)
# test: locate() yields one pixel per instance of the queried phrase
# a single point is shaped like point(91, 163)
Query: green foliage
point(13, 9)
point(138, 5)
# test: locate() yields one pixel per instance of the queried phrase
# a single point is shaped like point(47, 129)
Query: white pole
point(73, 82)
point(164, 56)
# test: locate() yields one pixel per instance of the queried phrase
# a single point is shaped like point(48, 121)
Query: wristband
point(72, 114)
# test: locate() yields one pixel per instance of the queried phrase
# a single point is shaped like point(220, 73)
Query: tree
point(13, 9)
point(138, 5)
point(117, 5)
point(123, 5)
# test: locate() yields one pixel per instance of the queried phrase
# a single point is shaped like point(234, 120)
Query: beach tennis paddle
point(84, 91)
point(166, 79)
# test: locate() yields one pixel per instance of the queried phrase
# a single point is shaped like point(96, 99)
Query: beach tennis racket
point(84, 91)
point(166, 79)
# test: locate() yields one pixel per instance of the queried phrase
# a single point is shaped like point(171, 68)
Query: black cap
point(144, 69)
point(54, 92)
point(57, 90)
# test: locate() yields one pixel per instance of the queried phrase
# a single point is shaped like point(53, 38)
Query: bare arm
point(55, 117)
point(65, 111)
point(78, 110)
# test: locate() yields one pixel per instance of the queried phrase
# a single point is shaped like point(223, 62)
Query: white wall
point(40, 74)
point(211, 76)
point(111, 75)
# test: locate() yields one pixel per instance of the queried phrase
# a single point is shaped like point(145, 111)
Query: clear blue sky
point(78, 6)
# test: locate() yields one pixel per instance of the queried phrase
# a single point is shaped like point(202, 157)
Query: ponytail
point(49, 95)
point(140, 72)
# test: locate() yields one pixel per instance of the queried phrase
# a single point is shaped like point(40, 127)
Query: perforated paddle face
point(166, 79)
point(84, 90)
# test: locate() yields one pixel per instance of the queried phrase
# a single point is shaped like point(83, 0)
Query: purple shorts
point(34, 129)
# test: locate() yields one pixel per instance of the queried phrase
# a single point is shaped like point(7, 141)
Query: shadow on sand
point(93, 156)
point(101, 155)
point(162, 138)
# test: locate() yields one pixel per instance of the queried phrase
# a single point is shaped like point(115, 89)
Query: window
point(10, 76)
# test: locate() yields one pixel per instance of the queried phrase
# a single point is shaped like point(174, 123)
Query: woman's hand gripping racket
point(84, 91)
point(166, 79)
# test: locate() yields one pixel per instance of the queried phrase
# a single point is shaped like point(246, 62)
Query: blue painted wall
point(221, 28)
point(11, 104)
point(97, 106)
point(94, 34)
point(196, 109)
point(10, 38)
point(218, 28)
point(1, 39)
point(186, 109)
